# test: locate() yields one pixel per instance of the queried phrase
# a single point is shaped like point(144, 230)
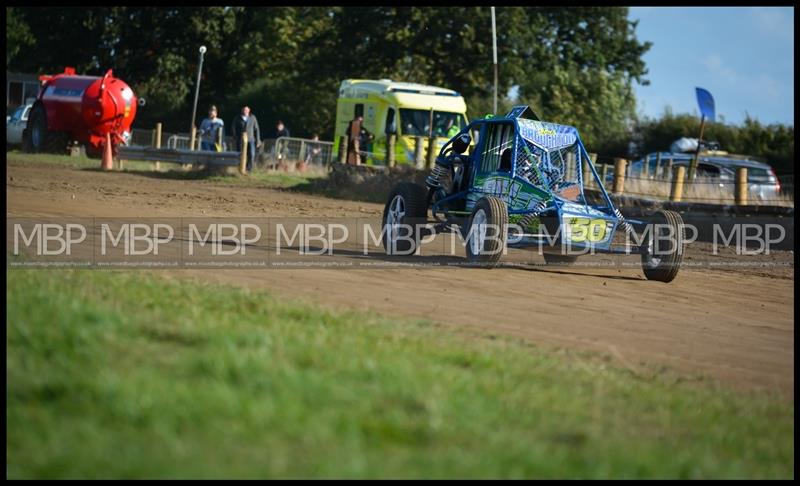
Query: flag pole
point(693, 165)
point(494, 61)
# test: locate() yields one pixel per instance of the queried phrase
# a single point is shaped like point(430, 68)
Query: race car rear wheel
point(662, 259)
point(487, 231)
point(405, 209)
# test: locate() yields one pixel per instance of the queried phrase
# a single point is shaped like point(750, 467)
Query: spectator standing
point(357, 135)
point(209, 130)
point(314, 151)
point(279, 131)
point(247, 122)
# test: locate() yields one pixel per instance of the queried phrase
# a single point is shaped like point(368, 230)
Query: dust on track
point(734, 325)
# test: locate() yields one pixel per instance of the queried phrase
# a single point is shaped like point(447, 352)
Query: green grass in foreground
point(22, 158)
point(125, 374)
point(270, 179)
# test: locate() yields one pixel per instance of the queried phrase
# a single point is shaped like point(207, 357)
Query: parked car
point(16, 123)
point(715, 167)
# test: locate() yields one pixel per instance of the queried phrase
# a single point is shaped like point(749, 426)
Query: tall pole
point(197, 88)
point(693, 163)
point(494, 61)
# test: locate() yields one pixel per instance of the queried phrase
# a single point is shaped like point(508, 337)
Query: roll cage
point(555, 153)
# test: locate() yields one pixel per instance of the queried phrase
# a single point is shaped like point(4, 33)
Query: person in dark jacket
point(247, 123)
point(279, 131)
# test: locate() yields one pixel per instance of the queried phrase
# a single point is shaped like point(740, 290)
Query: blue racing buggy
point(522, 185)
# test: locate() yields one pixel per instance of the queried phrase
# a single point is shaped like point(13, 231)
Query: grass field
point(134, 374)
point(260, 178)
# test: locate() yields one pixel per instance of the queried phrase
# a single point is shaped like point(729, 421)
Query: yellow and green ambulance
point(408, 110)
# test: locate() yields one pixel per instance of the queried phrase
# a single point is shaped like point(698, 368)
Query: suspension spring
point(528, 218)
point(622, 221)
point(434, 180)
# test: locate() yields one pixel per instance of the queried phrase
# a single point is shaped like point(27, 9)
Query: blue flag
point(706, 103)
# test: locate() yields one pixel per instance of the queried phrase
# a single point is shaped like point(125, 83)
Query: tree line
point(574, 66)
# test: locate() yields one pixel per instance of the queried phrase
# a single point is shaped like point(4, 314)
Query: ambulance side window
point(391, 123)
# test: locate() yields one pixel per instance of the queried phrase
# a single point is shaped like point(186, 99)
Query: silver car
point(717, 168)
point(16, 123)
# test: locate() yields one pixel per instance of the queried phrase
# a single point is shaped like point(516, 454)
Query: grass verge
point(270, 179)
point(134, 375)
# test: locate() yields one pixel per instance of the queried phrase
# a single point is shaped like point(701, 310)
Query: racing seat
point(461, 181)
point(505, 161)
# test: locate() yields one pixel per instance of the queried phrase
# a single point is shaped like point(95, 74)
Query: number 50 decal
point(585, 229)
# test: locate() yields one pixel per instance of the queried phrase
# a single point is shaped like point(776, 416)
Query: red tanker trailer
point(86, 109)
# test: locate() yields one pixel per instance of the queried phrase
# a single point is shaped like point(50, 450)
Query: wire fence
point(180, 141)
point(282, 153)
point(287, 151)
point(715, 189)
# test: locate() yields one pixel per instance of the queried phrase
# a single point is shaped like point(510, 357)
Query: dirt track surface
point(734, 325)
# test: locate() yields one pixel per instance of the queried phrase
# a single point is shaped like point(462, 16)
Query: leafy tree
point(18, 34)
point(772, 143)
point(579, 67)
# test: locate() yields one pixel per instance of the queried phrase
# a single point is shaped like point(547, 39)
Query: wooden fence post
point(343, 140)
point(587, 171)
point(157, 144)
point(646, 167)
point(243, 155)
point(192, 137)
point(431, 159)
point(418, 156)
point(676, 194)
point(693, 164)
point(741, 186)
point(220, 136)
point(619, 175)
point(391, 140)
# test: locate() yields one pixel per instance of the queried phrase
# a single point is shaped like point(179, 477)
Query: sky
point(743, 55)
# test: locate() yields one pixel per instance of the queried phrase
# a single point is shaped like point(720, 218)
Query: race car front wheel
point(404, 216)
point(487, 230)
point(663, 251)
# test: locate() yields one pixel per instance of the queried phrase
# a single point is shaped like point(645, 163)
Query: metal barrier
point(177, 141)
point(141, 138)
point(178, 156)
point(291, 149)
point(271, 154)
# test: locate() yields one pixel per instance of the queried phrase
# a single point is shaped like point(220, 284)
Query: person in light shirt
point(209, 130)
